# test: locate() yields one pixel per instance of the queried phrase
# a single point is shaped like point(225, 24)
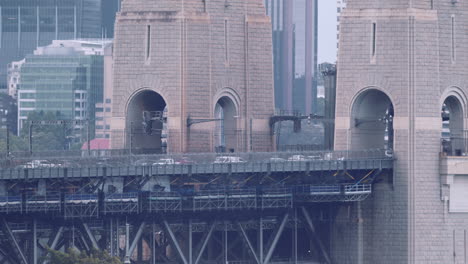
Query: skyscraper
point(28, 24)
point(65, 77)
point(295, 34)
point(340, 6)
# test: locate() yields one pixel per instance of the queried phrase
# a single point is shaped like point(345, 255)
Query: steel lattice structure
point(259, 211)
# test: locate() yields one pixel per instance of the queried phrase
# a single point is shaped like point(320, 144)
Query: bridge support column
point(41, 187)
point(34, 253)
point(3, 189)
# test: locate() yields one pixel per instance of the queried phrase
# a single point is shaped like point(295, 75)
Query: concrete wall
point(413, 66)
point(188, 67)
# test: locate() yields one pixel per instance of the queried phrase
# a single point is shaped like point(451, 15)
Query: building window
point(453, 38)
point(374, 31)
point(148, 41)
point(108, 109)
point(226, 42)
point(108, 101)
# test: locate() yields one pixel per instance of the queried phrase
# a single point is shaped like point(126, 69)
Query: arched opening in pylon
point(146, 123)
point(372, 122)
point(226, 133)
point(453, 135)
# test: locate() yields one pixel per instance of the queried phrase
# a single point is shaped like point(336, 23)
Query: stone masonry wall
point(189, 68)
point(414, 65)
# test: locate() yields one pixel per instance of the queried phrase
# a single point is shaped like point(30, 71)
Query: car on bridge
point(166, 161)
point(228, 159)
point(298, 158)
point(35, 164)
point(275, 159)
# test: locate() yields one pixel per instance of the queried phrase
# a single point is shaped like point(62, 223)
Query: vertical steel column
point(131, 138)
point(38, 29)
point(30, 139)
point(34, 241)
point(295, 236)
point(56, 22)
point(190, 243)
point(1, 29)
point(127, 243)
point(88, 137)
point(360, 235)
point(74, 22)
point(7, 131)
point(225, 243)
point(260, 240)
point(111, 237)
point(153, 244)
point(19, 27)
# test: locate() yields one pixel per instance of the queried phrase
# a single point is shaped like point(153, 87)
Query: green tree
point(16, 143)
point(75, 257)
point(47, 137)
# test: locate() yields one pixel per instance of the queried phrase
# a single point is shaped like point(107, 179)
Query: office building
point(13, 77)
point(66, 78)
point(295, 34)
point(7, 113)
point(28, 24)
point(340, 6)
point(104, 108)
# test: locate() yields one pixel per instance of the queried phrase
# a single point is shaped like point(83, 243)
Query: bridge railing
point(455, 145)
point(120, 158)
point(94, 205)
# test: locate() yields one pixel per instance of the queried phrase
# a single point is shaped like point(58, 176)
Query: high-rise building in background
point(295, 35)
point(340, 6)
point(28, 24)
point(65, 78)
point(104, 108)
point(7, 113)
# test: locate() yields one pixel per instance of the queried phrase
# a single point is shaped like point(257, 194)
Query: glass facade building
point(294, 24)
point(68, 84)
point(28, 24)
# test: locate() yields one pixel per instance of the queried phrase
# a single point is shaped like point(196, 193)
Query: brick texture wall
point(188, 67)
point(405, 221)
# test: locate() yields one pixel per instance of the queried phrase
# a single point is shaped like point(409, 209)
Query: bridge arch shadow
point(146, 123)
point(372, 121)
point(226, 132)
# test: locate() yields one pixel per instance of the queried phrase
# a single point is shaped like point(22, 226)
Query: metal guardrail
point(120, 158)
point(90, 171)
point(93, 205)
point(455, 145)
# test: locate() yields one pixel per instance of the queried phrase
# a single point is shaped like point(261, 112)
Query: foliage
point(73, 256)
point(16, 143)
point(47, 137)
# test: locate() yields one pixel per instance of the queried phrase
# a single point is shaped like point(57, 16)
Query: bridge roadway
point(190, 164)
point(137, 197)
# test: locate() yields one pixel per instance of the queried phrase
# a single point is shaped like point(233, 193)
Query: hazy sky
point(327, 31)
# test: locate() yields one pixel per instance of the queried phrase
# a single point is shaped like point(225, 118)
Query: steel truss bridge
point(190, 209)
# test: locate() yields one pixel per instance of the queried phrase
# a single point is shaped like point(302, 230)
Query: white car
point(228, 159)
point(276, 159)
point(39, 164)
point(298, 158)
point(166, 162)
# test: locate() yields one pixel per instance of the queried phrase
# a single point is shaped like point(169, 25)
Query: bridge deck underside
point(250, 212)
